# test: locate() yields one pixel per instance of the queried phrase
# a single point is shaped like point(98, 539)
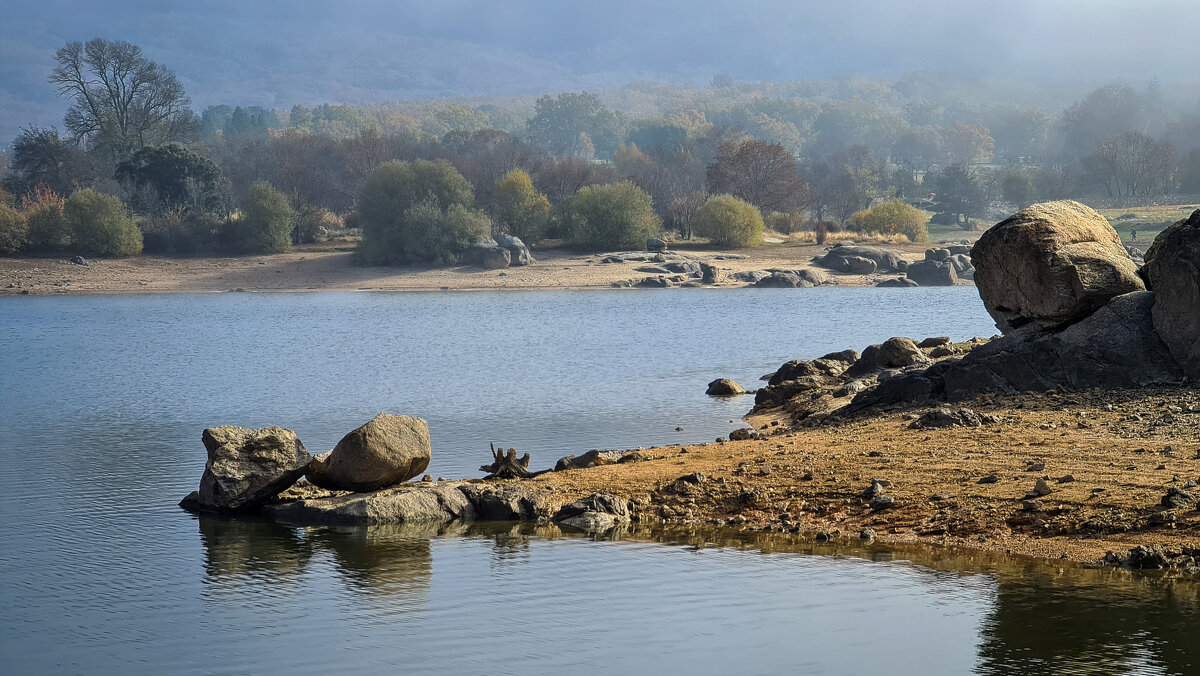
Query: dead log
point(508, 465)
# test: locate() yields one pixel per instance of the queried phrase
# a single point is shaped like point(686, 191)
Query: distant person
point(1133, 234)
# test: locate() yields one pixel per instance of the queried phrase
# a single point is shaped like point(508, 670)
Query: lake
point(104, 399)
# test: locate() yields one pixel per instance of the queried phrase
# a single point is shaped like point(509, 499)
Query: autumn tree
point(120, 100)
point(761, 173)
point(521, 210)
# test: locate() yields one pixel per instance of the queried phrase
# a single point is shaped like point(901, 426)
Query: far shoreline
point(317, 269)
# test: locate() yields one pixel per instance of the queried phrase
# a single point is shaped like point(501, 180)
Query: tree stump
point(508, 465)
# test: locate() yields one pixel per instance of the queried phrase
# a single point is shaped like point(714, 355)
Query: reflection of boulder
point(1039, 625)
point(395, 560)
point(235, 547)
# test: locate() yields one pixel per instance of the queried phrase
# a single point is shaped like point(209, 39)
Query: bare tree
point(121, 100)
point(1133, 164)
point(762, 173)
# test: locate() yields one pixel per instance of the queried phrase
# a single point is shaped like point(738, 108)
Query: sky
point(277, 54)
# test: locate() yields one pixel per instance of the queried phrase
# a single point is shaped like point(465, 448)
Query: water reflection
point(1044, 618)
point(1047, 618)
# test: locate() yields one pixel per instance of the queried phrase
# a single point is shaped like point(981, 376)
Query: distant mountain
point(277, 54)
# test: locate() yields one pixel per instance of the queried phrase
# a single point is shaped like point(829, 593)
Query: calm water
point(104, 399)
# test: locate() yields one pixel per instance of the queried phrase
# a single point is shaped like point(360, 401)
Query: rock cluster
point(1071, 302)
point(246, 468)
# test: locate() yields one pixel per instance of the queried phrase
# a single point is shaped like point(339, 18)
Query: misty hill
point(276, 54)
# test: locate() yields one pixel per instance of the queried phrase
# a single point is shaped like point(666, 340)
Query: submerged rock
point(724, 387)
point(246, 467)
point(421, 502)
point(386, 450)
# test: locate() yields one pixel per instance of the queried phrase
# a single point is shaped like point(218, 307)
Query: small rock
point(1041, 488)
point(880, 502)
point(939, 497)
point(1031, 505)
point(1036, 466)
point(427, 478)
point(989, 479)
point(866, 535)
point(741, 434)
point(1066, 479)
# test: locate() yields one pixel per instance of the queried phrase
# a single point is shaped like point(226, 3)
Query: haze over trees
point(596, 169)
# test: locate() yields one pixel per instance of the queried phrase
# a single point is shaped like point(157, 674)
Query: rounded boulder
point(386, 450)
point(1050, 265)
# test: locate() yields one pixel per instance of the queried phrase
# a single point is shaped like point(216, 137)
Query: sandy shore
point(315, 269)
point(1122, 450)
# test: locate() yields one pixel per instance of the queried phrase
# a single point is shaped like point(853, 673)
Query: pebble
point(866, 534)
point(989, 479)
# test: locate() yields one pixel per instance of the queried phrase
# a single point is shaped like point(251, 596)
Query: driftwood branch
point(508, 465)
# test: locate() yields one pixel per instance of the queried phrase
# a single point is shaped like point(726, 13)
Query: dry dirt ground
point(1122, 451)
point(324, 270)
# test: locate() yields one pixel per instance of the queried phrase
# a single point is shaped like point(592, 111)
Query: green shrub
point(181, 233)
point(615, 216)
point(417, 212)
point(896, 217)
point(438, 236)
point(784, 223)
point(728, 221)
point(100, 225)
point(14, 230)
point(265, 224)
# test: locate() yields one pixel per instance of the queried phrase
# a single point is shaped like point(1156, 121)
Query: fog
point(280, 53)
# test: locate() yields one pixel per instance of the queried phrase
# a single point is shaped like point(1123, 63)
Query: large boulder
point(518, 252)
point(1173, 272)
point(724, 387)
point(781, 280)
point(900, 352)
point(932, 273)
point(246, 467)
point(495, 258)
point(857, 265)
point(386, 450)
point(1049, 265)
point(836, 258)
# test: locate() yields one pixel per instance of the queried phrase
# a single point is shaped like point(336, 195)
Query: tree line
point(596, 169)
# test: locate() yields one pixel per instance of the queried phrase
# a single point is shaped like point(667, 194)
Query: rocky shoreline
point(1075, 435)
